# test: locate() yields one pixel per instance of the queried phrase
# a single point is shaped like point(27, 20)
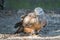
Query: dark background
point(18, 4)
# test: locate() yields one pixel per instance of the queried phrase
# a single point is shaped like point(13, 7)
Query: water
point(53, 27)
point(9, 19)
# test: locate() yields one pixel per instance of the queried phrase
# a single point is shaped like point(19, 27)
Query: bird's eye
point(40, 11)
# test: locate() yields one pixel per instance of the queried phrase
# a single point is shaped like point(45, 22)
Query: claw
point(34, 35)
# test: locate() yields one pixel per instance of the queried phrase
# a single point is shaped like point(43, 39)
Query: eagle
point(32, 23)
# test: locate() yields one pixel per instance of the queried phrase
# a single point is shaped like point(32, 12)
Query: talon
point(34, 35)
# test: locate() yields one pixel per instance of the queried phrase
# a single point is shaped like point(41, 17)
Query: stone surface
point(16, 36)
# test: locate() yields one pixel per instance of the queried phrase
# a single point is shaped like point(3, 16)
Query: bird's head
point(38, 11)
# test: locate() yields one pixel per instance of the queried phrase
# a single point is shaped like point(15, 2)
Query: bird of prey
point(32, 22)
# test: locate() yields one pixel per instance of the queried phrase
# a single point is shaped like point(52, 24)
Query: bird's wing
point(19, 24)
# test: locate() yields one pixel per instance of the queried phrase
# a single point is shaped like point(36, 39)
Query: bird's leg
point(33, 34)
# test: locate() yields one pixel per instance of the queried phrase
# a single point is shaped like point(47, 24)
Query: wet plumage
point(31, 23)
